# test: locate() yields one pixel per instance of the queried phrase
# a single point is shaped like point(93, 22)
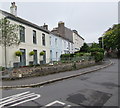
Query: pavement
point(93, 90)
point(34, 80)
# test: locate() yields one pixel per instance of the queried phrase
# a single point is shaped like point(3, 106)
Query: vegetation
point(42, 53)
point(2, 68)
point(87, 53)
point(111, 39)
point(31, 53)
point(9, 35)
point(18, 53)
point(97, 50)
point(84, 48)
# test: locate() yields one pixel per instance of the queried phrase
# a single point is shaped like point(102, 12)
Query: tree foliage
point(111, 38)
point(95, 45)
point(9, 33)
point(84, 48)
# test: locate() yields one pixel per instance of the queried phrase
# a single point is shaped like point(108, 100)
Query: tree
point(8, 35)
point(84, 48)
point(95, 45)
point(111, 38)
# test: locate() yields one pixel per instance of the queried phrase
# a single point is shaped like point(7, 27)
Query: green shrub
point(18, 53)
point(98, 56)
point(31, 53)
point(42, 53)
point(79, 54)
point(72, 55)
point(65, 57)
point(87, 54)
point(97, 50)
point(97, 53)
point(0, 68)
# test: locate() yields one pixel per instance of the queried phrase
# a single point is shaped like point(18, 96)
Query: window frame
point(22, 33)
point(43, 39)
point(34, 37)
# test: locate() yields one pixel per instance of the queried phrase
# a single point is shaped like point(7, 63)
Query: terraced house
point(37, 39)
point(32, 38)
point(74, 40)
point(58, 46)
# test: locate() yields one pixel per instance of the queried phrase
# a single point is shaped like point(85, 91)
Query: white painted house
point(32, 37)
point(77, 40)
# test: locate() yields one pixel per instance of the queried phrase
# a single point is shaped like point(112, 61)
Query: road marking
point(52, 103)
point(22, 98)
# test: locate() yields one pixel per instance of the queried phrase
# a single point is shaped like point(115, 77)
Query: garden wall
point(45, 70)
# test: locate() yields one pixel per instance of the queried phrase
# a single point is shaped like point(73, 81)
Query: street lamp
point(103, 42)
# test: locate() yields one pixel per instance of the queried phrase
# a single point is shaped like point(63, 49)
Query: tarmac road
point(99, 88)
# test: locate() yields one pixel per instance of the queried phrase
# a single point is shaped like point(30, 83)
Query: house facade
point(58, 46)
point(55, 47)
point(32, 38)
point(77, 40)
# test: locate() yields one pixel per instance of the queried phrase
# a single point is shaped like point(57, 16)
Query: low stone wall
point(44, 70)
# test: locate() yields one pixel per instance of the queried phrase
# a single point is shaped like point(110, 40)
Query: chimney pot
point(13, 9)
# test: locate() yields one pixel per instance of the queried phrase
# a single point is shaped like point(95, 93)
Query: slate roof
point(23, 21)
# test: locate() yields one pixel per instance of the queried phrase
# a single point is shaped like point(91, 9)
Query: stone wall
point(45, 70)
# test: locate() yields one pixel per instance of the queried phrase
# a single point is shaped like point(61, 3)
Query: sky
point(91, 19)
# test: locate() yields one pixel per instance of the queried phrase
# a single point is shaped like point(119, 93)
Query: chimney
point(45, 26)
point(61, 28)
point(13, 9)
point(61, 24)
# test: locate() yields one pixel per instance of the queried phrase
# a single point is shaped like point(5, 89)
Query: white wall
point(78, 42)
point(28, 45)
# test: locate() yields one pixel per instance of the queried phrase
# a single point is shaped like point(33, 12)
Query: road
point(99, 88)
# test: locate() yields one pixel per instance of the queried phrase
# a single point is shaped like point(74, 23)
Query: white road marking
point(22, 97)
point(52, 103)
point(69, 105)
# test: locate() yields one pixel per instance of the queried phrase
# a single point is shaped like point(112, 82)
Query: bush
point(97, 50)
point(87, 54)
point(18, 53)
point(2, 68)
point(98, 56)
point(97, 53)
point(79, 54)
point(42, 53)
point(65, 56)
point(31, 53)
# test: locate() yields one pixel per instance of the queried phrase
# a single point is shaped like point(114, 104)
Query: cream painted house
point(32, 37)
point(77, 40)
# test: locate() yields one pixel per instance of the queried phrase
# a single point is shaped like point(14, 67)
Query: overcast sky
point(90, 19)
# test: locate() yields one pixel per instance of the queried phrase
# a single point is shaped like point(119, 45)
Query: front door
point(35, 57)
point(23, 58)
point(44, 57)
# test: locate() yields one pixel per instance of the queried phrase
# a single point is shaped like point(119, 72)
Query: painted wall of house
point(78, 42)
point(1, 47)
point(61, 46)
point(28, 46)
point(55, 47)
point(67, 46)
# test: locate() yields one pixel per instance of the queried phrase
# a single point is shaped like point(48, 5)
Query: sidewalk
point(39, 79)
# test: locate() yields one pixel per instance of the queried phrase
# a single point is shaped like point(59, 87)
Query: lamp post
point(102, 42)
